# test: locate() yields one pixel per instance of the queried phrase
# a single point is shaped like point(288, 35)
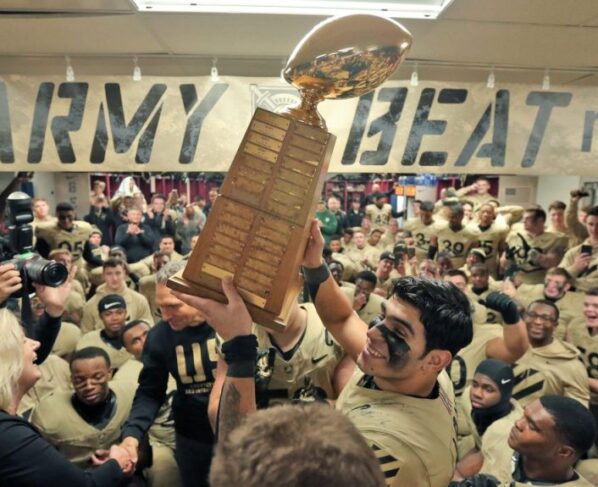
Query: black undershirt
point(98, 415)
point(368, 382)
point(115, 342)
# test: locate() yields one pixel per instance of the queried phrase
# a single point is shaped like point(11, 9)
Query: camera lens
point(46, 272)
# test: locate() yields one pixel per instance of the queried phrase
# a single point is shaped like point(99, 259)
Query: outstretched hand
point(229, 320)
point(55, 298)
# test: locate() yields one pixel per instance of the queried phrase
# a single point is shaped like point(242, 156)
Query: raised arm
point(332, 306)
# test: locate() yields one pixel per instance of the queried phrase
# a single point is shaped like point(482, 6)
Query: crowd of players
point(461, 344)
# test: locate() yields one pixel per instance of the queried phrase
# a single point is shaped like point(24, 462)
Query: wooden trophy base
point(259, 315)
point(259, 226)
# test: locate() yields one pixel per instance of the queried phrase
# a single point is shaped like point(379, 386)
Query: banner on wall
point(195, 125)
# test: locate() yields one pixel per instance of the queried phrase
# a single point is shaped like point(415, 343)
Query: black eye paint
point(398, 349)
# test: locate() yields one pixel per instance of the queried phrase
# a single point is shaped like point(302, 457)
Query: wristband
point(314, 276)
point(240, 354)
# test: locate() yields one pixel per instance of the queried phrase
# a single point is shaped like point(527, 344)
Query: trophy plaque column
point(259, 225)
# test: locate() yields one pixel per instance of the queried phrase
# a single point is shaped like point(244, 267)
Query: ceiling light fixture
point(214, 77)
point(136, 70)
point(546, 80)
point(491, 82)
point(70, 72)
point(414, 77)
point(405, 9)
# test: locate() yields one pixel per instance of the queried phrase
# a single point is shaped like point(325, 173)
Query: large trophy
point(258, 228)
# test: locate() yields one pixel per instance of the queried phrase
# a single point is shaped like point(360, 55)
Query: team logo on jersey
point(273, 98)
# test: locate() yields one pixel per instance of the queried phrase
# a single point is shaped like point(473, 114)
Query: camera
point(34, 269)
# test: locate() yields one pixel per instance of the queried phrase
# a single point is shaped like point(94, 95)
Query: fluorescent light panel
point(413, 9)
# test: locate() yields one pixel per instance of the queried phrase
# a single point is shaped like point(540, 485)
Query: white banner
point(194, 125)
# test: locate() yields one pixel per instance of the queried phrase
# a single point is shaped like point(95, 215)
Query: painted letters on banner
point(194, 125)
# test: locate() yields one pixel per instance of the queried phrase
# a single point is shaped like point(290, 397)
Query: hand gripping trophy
point(259, 226)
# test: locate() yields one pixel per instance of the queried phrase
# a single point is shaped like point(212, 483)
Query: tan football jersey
point(413, 438)
point(553, 369)
point(522, 246)
point(570, 305)
point(462, 368)
point(493, 443)
point(475, 198)
point(388, 240)
point(313, 363)
point(147, 288)
point(74, 240)
point(351, 268)
point(588, 469)
point(490, 239)
point(385, 284)
point(94, 339)
point(162, 430)
point(457, 243)
point(371, 309)
point(588, 278)
point(67, 339)
point(421, 235)
point(55, 376)
point(378, 216)
point(73, 437)
point(579, 336)
point(137, 308)
point(492, 316)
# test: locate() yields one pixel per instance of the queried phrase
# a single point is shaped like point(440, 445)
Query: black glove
point(504, 305)
point(480, 480)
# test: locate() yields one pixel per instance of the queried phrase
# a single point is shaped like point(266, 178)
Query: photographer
point(54, 298)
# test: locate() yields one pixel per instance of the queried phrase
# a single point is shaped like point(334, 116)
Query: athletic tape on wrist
point(314, 276)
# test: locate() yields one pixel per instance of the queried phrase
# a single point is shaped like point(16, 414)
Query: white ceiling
point(520, 37)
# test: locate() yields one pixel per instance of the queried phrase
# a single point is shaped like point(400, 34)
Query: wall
point(551, 188)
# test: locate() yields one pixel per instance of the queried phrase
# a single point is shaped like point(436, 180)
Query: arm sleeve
point(121, 237)
point(578, 388)
point(151, 391)
point(146, 238)
point(572, 221)
point(28, 459)
point(89, 256)
point(45, 331)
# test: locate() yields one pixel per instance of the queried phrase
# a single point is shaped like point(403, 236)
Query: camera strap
point(26, 313)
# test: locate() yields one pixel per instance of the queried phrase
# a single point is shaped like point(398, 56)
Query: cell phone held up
point(586, 249)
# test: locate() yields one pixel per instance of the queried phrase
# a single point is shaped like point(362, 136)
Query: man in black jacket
point(183, 345)
point(135, 237)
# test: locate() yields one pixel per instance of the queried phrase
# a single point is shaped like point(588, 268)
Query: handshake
point(126, 454)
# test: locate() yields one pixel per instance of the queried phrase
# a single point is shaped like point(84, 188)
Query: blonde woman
point(26, 459)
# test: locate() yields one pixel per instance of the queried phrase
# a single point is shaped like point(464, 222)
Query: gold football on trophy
point(344, 57)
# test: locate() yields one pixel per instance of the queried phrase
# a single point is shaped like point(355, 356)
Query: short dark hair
point(158, 196)
point(574, 424)
point(538, 212)
point(114, 262)
point(557, 205)
point(335, 237)
point(64, 206)
point(444, 311)
point(166, 236)
point(592, 211)
point(426, 206)
point(368, 276)
point(480, 267)
point(376, 230)
point(592, 291)
point(545, 302)
point(129, 325)
point(89, 353)
point(560, 271)
point(456, 208)
point(348, 231)
point(456, 272)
